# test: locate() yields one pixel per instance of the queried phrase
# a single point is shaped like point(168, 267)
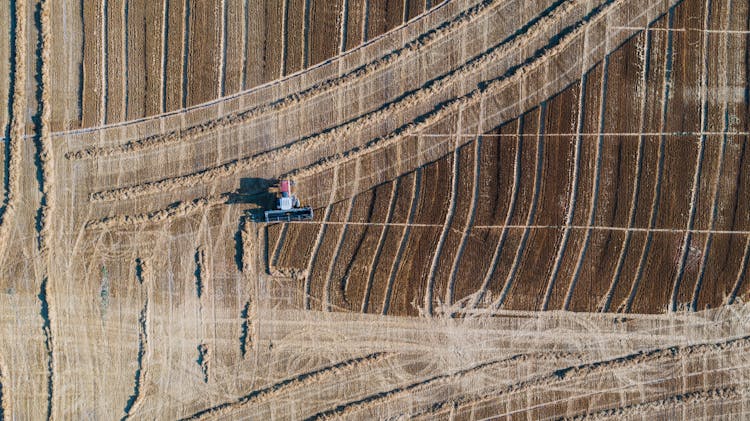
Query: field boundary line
point(625, 248)
point(719, 169)
point(594, 185)
point(508, 218)
point(415, 193)
point(687, 240)
point(417, 44)
point(381, 242)
point(455, 173)
point(319, 240)
point(667, 83)
point(573, 196)
point(498, 303)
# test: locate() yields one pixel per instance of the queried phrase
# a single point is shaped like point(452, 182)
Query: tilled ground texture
point(531, 209)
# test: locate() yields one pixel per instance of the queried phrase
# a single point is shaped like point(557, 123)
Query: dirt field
point(535, 209)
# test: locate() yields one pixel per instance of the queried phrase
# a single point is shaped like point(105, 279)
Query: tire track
point(223, 42)
point(719, 167)
point(164, 53)
point(18, 103)
point(532, 209)
point(594, 185)
point(301, 380)
point(104, 44)
point(381, 242)
point(440, 84)
point(508, 218)
point(467, 228)
point(659, 169)
point(386, 396)
point(339, 242)
point(429, 289)
point(572, 199)
point(698, 163)
point(637, 179)
point(319, 240)
point(420, 43)
point(672, 401)
point(344, 19)
point(185, 51)
point(404, 239)
point(279, 244)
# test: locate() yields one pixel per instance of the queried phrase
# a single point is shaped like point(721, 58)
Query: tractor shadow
point(255, 191)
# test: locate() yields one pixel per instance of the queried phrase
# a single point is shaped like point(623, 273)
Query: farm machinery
point(288, 207)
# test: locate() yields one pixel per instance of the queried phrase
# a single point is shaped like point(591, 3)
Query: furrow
point(279, 243)
point(339, 242)
point(223, 42)
point(740, 273)
point(670, 402)
point(164, 54)
point(402, 244)
point(594, 186)
point(415, 46)
point(572, 198)
point(386, 396)
point(17, 129)
point(379, 249)
point(637, 178)
point(659, 169)
point(429, 289)
point(719, 168)
point(104, 44)
point(449, 295)
point(171, 212)
point(185, 50)
point(508, 218)
point(301, 380)
point(698, 164)
point(284, 36)
point(346, 130)
point(4, 405)
point(136, 398)
point(530, 216)
point(319, 240)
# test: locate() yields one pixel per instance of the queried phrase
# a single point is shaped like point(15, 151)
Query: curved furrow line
point(740, 273)
point(677, 400)
point(719, 168)
point(532, 209)
point(421, 42)
point(594, 186)
point(640, 358)
point(698, 164)
point(381, 242)
point(301, 380)
point(386, 396)
point(339, 242)
point(467, 228)
point(18, 101)
point(319, 240)
point(573, 196)
point(508, 219)
point(404, 239)
point(446, 226)
point(659, 169)
point(637, 178)
point(427, 91)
